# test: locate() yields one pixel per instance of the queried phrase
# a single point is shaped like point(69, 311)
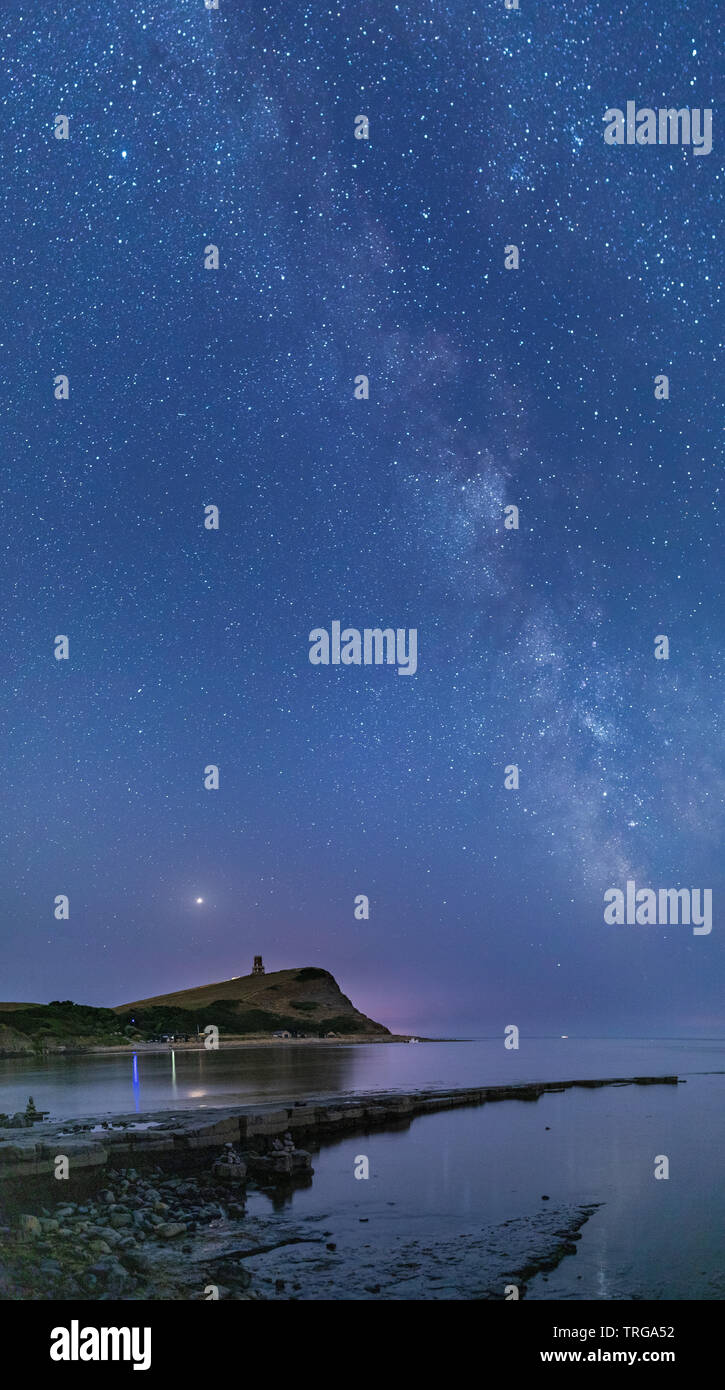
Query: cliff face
point(307, 998)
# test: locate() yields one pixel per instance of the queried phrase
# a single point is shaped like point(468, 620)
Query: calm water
point(114, 1084)
point(454, 1174)
point(457, 1175)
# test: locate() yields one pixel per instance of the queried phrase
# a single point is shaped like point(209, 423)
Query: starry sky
point(235, 387)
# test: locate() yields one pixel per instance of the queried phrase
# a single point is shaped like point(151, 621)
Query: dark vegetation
point(62, 1018)
point(228, 1018)
point(63, 1021)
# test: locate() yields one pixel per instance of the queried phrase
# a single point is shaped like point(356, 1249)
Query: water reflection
point(104, 1084)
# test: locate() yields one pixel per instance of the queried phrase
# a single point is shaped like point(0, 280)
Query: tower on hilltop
point(257, 968)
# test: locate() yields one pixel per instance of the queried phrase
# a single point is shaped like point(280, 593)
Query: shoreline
point(91, 1143)
point(227, 1044)
point(156, 1208)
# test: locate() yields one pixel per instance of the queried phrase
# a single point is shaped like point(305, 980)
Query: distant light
point(124, 154)
point(200, 900)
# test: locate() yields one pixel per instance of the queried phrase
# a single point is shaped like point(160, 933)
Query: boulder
point(30, 1226)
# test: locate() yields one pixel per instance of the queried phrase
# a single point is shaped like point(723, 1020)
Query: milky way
point(235, 387)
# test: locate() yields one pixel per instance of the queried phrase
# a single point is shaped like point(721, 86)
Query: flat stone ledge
point(88, 1145)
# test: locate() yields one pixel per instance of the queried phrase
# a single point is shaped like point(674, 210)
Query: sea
point(448, 1192)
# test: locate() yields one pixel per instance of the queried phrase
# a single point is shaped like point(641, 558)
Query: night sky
point(235, 387)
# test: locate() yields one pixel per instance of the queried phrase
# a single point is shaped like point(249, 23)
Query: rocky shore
point(158, 1209)
point(148, 1237)
point(30, 1149)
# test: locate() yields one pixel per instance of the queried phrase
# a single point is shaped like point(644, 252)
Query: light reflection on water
point(114, 1084)
point(459, 1172)
point(469, 1169)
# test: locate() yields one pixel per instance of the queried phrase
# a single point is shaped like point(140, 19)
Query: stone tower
point(258, 968)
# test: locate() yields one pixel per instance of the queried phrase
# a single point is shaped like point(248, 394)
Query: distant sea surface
point(112, 1083)
point(441, 1189)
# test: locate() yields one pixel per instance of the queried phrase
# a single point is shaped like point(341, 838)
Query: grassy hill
point(14, 1043)
point(307, 1000)
point(304, 1001)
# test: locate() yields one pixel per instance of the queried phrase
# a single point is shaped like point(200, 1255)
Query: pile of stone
point(283, 1160)
point(24, 1119)
point(230, 1167)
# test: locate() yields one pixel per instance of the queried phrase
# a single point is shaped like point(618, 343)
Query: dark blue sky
point(235, 387)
